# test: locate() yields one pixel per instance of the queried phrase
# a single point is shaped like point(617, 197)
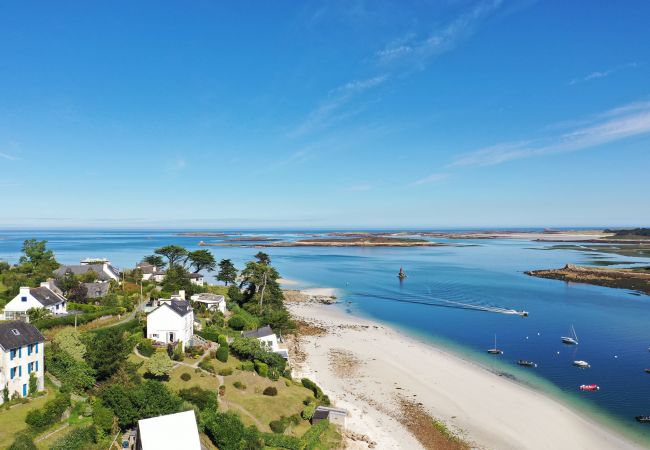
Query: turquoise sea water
point(432, 303)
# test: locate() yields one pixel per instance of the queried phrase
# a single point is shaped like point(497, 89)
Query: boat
point(401, 275)
point(523, 362)
point(647, 371)
point(571, 340)
point(582, 364)
point(495, 350)
point(589, 387)
point(523, 313)
point(643, 419)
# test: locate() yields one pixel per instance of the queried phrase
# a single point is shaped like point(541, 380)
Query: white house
point(147, 270)
point(170, 432)
point(48, 296)
point(213, 302)
point(21, 353)
point(102, 267)
point(269, 339)
point(171, 322)
point(197, 278)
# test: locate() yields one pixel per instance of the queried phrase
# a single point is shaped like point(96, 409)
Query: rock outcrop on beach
point(637, 279)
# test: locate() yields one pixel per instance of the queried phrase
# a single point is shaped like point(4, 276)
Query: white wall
point(17, 305)
point(16, 384)
point(163, 321)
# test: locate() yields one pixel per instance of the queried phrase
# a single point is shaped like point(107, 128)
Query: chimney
point(24, 291)
point(181, 294)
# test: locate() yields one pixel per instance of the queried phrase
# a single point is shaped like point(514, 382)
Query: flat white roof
point(170, 432)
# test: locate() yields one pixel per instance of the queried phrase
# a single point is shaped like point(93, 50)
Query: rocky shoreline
point(637, 279)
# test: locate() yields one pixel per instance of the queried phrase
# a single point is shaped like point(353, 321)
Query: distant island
point(360, 241)
point(636, 279)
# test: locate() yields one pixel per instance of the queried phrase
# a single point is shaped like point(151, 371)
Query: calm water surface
point(613, 325)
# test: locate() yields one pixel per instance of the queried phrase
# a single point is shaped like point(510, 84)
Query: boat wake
point(442, 303)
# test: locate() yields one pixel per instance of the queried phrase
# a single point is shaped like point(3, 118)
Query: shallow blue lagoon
point(432, 303)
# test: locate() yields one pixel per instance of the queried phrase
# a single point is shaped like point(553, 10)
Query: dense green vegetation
point(631, 232)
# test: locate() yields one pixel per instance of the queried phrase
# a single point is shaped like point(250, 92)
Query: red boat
point(589, 387)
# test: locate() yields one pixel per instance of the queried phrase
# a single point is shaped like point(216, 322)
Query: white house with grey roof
point(171, 322)
point(103, 268)
point(213, 302)
point(269, 340)
point(47, 296)
point(21, 354)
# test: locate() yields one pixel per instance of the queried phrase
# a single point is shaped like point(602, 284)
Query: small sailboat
point(643, 419)
point(589, 387)
point(525, 363)
point(401, 275)
point(647, 371)
point(571, 340)
point(581, 364)
point(495, 350)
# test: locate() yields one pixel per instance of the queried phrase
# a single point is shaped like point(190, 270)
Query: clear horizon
point(340, 115)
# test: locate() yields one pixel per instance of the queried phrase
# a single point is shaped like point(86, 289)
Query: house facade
point(171, 322)
point(47, 296)
point(197, 278)
point(269, 340)
point(21, 354)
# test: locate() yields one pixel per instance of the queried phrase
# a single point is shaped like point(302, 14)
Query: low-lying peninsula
point(636, 279)
point(361, 241)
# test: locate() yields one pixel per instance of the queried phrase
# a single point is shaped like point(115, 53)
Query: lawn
point(201, 379)
point(13, 419)
point(266, 408)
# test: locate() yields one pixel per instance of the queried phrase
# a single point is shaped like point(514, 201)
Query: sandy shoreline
point(367, 367)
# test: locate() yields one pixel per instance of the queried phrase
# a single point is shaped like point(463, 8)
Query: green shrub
point(23, 441)
point(222, 339)
point(202, 398)
point(282, 441)
point(295, 419)
point(248, 366)
point(239, 385)
point(261, 368)
point(318, 393)
point(102, 416)
point(308, 412)
point(227, 431)
point(251, 349)
point(237, 323)
point(206, 365)
point(311, 438)
point(227, 371)
point(278, 426)
point(77, 439)
point(50, 413)
point(51, 322)
point(146, 348)
point(186, 376)
point(270, 391)
point(222, 353)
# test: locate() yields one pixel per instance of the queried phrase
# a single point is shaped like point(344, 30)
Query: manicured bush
point(23, 441)
point(222, 353)
point(270, 391)
point(222, 339)
point(295, 419)
point(311, 438)
point(282, 441)
point(186, 376)
point(261, 368)
point(239, 385)
point(227, 431)
point(227, 371)
point(209, 333)
point(318, 393)
point(278, 426)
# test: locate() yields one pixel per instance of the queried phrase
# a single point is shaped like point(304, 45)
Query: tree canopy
point(202, 260)
point(227, 272)
point(175, 254)
point(155, 260)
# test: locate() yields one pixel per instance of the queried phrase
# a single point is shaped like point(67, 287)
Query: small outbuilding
point(171, 432)
point(334, 415)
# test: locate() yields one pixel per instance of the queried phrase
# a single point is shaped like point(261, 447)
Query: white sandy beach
point(363, 366)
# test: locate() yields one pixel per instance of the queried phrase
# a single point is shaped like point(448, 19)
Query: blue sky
point(324, 114)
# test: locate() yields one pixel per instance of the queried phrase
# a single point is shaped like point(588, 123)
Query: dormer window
point(23, 299)
point(15, 332)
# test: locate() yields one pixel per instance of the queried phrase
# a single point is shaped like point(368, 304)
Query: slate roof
point(260, 332)
point(180, 307)
point(196, 275)
point(320, 414)
point(146, 268)
point(27, 334)
point(80, 269)
point(96, 290)
point(45, 296)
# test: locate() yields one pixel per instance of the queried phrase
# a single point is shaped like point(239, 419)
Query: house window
point(24, 390)
point(12, 354)
point(29, 349)
point(20, 371)
point(30, 367)
point(154, 335)
point(12, 373)
point(23, 299)
point(20, 352)
point(57, 307)
point(15, 332)
point(36, 346)
point(37, 366)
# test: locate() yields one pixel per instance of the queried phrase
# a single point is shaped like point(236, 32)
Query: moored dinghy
point(643, 419)
point(582, 364)
point(523, 362)
point(589, 387)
